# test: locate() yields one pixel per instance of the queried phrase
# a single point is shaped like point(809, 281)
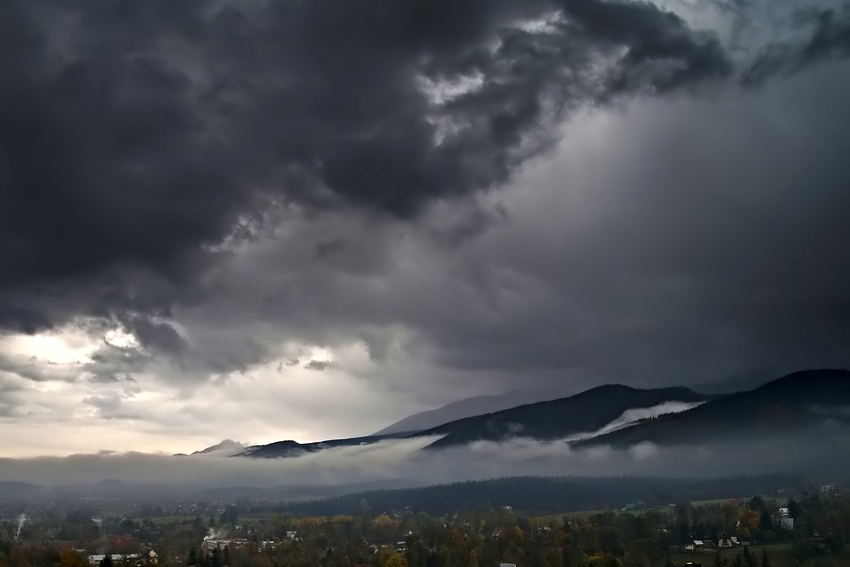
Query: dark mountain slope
point(293, 448)
point(226, 445)
point(14, 491)
point(583, 413)
point(793, 403)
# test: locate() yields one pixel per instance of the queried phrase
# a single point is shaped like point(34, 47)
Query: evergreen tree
point(193, 557)
point(106, 561)
point(794, 509)
point(766, 522)
point(765, 562)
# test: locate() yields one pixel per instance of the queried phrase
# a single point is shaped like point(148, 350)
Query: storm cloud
point(408, 203)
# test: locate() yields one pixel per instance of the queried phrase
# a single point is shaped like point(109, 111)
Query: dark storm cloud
point(133, 136)
point(663, 52)
point(21, 319)
point(115, 364)
point(680, 241)
point(829, 39)
point(156, 336)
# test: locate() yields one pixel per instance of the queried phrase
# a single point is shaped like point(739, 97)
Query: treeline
point(546, 495)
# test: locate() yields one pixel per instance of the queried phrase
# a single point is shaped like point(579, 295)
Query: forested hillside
point(548, 495)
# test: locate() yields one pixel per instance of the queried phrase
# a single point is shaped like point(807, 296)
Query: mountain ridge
point(581, 413)
point(600, 416)
point(780, 405)
point(585, 411)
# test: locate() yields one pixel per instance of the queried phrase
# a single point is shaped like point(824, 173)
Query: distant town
point(789, 528)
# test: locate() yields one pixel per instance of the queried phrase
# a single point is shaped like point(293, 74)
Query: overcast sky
point(308, 219)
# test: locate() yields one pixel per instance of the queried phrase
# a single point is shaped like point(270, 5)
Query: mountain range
point(795, 402)
point(622, 416)
point(576, 416)
point(480, 405)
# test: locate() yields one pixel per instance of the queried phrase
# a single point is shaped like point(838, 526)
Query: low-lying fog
point(820, 451)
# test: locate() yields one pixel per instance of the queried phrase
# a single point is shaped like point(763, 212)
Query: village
point(779, 530)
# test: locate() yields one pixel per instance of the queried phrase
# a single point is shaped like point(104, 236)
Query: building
point(725, 541)
point(146, 557)
point(133, 558)
point(220, 544)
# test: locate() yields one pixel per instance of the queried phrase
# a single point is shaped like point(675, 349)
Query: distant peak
point(226, 445)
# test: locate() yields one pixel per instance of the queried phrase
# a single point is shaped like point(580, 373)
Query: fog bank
point(818, 452)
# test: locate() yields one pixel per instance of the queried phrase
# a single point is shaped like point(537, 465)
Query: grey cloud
point(22, 320)
point(139, 136)
point(115, 364)
point(724, 255)
point(110, 406)
point(109, 403)
point(33, 369)
point(9, 396)
point(663, 52)
point(829, 39)
point(159, 337)
point(260, 175)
